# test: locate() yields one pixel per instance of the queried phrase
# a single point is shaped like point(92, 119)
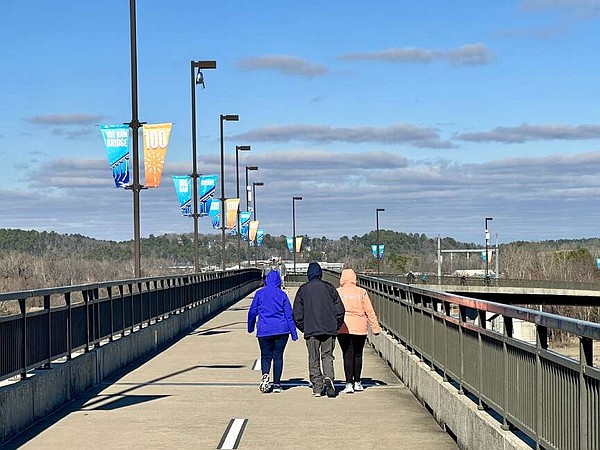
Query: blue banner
point(245, 217)
point(374, 250)
point(290, 244)
point(116, 143)
point(483, 256)
point(215, 213)
point(260, 234)
point(183, 188)
point(206, 193)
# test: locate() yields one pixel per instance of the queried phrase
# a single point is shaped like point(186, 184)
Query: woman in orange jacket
point(353, 333)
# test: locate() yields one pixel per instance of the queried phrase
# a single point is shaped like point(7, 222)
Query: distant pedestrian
point(319, 313)
point(353, 333)
point(275, 323)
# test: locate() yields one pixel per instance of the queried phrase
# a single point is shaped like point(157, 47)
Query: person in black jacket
point(319, 312)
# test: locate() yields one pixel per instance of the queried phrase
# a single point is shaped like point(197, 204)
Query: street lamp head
point(258, 183)
point(251, 167)
point(296, 198)
point(489, 218)
point(380, 209)
point(204, 64)
point(230, 117)
point(242, 148)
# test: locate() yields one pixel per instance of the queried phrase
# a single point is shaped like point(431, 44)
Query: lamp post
point(238, 149)
point(196, 77)
point(248, 196)
point(294, 228)
point(229, 118)
point(377, 211)
point(135, 126)
point(254, 184)
point(487, 245)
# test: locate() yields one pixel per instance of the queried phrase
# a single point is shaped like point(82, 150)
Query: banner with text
point(215, 213)
point(253, 228)
point(156, 140)
point(298, 243)
point(260, 234)
point(374, 250)
point(231, 209)
point(245, 217)
point(116, 143)
point(206, 194)
point(183, 188)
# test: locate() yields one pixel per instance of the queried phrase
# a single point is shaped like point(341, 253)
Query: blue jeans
point(271, 349)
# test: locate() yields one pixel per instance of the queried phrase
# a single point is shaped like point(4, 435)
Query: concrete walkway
point(187, 396)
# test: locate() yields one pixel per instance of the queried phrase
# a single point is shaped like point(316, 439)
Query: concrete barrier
point(26, 402)
point(457, 414)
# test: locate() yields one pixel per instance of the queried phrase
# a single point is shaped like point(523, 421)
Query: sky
point(442, 113)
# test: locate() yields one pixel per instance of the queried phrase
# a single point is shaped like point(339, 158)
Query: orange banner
point(156, 140)
point(231, 210)
point(298, 243)
point(253, 228)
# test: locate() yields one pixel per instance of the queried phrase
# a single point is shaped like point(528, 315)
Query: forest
point(32, 259)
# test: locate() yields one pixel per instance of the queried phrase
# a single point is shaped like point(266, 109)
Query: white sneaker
point(358, 387)
point(349, 389)
point(264, 383)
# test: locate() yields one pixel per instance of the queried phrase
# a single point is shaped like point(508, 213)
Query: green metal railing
point(552, 399)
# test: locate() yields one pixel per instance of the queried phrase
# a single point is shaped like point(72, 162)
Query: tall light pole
point(135, 126)
point(196, 77)
point(294, 228)
point(487, 245)
point(248, 196)
point(229, 118)
point(254, 184)
point(238, 149)
point(377, 211)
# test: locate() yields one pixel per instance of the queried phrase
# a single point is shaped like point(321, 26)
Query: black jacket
point(318, 308)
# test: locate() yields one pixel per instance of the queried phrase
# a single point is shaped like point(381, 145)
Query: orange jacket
point(359, 310)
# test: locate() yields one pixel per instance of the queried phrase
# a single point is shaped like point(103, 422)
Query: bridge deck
point(186, 396)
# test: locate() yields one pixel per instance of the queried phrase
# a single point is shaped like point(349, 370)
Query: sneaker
point(277, 388)
point(264, 383)
point(358, 387)
point(349, 389)
point(329, 387)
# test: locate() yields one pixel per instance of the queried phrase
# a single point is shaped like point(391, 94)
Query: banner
point(260, 234)
point(298, 244)
point(215, 213)
point(374, 250)
point(253, 228)
point(206, 194)
point(231, 210)
point(183, 188)
point(116, 144)
point(156, 140)
point(245, 217)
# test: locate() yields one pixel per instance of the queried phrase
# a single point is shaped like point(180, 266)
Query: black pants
point(271, 349)
point(352, 349)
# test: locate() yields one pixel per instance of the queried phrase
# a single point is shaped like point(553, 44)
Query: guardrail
point(552, 399)
point(72, 318)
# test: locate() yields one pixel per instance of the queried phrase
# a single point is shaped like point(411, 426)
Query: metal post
point(135, 126)
point(254, 184)
point(228, 117)
point(239, 148)
point(194, 80)
point(294, 229)
point(377, 211)
point(248, 194)
point(487, 246)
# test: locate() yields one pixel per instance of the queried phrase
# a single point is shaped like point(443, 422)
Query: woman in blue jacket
point(274, 325)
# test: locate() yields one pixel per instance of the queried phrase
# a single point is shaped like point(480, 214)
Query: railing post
point(96, 307)
point(586, 358)
point(508, 333)
point(447, 314)
point(49, 323)
point(541, 343)
point(112, 314)
point(86, 300)
point(122, 310)
point(23, 307)
point(69, 326)
point(462, 314)
point(482, 324)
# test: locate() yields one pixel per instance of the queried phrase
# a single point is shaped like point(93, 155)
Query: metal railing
point(552, 399)
point(72, 318)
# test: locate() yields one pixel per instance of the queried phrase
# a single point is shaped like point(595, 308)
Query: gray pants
point(320, 350)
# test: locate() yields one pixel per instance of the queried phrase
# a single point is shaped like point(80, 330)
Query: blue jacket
point(273, 308)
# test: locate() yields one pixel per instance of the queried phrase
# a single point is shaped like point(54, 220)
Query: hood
point(348, 277)
point(314, 271)
point(273, 279)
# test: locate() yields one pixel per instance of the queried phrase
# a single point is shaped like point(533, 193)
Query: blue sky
point(443, 113)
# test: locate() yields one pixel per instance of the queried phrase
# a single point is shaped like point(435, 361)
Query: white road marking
point(256, 365)
point(233, 434)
